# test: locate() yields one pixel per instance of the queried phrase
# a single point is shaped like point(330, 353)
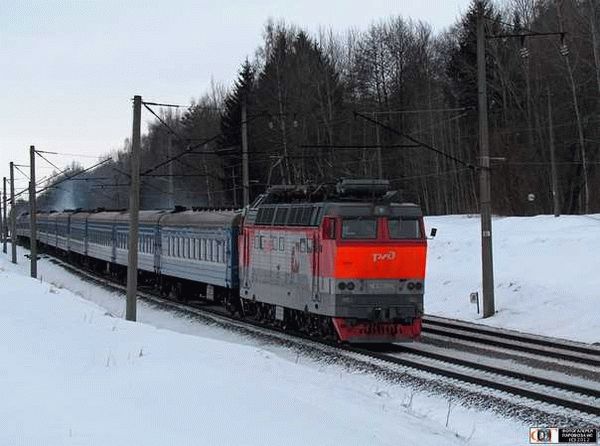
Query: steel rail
point(466, 377)
point(539, 345)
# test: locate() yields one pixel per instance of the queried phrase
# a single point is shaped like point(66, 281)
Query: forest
point(313, 101)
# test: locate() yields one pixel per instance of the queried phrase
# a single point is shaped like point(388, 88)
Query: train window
point(281, 244)
point(404, 228)
point(359, 228)
point(281, 215)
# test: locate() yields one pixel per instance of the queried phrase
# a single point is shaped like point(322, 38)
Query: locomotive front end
point(378, 270)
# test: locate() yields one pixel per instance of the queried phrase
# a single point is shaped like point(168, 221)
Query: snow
point(74, 374)
point(546, 273)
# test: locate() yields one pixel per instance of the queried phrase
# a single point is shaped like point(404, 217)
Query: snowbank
point(547, 273)
point(72, 374)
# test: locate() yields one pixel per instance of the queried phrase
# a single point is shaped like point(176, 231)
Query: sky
point(70, 68)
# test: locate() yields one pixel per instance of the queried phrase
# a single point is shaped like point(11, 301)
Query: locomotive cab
point(378, 269)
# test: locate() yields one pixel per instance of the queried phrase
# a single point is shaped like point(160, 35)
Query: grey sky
point(70, 67)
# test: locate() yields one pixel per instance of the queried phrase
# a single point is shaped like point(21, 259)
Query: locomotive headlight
point(410, 286)
point(418, 285)
point(350, 286)
point(342, 286)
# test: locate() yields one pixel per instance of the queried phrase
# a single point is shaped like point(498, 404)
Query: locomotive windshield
point(359, 228)
point(404, 228)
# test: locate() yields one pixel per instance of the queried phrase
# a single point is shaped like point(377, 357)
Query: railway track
point(540, 346)
point(575, 394)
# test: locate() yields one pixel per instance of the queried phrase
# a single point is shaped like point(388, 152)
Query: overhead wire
point(47, 160)
point(416, 141)
point(16, 166)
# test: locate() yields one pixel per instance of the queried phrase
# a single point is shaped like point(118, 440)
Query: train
point(344, 261)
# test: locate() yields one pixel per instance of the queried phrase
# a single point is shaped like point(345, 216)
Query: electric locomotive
point(345, 262)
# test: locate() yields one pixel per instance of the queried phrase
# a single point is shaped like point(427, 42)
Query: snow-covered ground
point(546, 271)
point(73, 374)
point(72, 371)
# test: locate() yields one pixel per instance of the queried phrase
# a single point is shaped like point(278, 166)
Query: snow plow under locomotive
point(344, 262)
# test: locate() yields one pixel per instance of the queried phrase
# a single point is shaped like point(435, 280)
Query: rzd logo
point(387, 256)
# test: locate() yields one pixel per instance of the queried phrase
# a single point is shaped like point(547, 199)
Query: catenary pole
point(32, 214)
point(553, 158)
point(134, 208)
point(2, 218)
point(171, 172)
point(379, 162)
point(13, 215)
point(485, 187)
point(245, 167)
point(5, 228)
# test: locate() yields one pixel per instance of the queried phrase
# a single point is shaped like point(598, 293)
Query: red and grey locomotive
point(347, 262)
